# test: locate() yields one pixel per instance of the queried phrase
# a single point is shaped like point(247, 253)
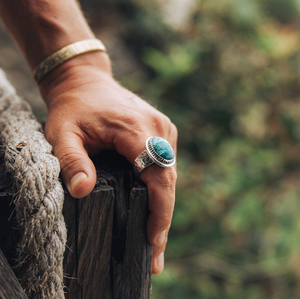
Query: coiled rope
point(38, 196)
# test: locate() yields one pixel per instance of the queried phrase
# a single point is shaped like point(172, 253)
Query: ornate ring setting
point(158, 151)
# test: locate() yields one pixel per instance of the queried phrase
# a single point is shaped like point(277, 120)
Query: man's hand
point(90, 111)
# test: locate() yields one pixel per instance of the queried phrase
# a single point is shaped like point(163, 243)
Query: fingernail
point(160, 261)
point(161, 238)
point(77, 179)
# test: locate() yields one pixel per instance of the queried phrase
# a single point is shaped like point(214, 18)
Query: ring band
point(158, 151)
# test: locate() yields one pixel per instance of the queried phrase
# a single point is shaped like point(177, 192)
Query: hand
point(90, 111)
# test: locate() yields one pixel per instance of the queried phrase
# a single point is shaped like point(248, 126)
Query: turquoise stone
point(163, 148)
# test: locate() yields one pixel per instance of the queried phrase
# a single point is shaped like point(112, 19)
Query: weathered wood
point(86, 264)
point(132, 276)
point(9, 232)
point(109, 255)
point(9, 285)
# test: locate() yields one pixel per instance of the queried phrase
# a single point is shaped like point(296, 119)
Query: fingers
point(161, 191)
point(79, 175)
point(113, 118)
point(77, 170)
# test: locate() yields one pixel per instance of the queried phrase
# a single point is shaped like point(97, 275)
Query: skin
point(89, 111)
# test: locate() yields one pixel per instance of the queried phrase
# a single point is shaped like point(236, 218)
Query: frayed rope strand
point(39, 196)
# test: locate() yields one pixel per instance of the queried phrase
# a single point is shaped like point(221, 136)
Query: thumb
point(77, 169)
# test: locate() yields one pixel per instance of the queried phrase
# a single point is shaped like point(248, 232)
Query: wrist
point(73, 72)
point(64, 54)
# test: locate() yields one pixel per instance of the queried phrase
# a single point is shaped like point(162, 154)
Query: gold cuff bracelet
point(65, 54)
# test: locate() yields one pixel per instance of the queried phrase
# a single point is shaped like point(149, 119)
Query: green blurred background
point(227, 74)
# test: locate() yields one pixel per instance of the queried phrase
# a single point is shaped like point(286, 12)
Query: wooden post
point(9, 285)
point(108, 255)
point(9, 238)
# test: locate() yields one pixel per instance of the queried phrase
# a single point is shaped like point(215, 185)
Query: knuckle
point(133, 118)
point(132, 122)
point(165, 219)
point(164, 126)
point(161, 221)
point(168, 178)
point(68, 157)
point(137, 121)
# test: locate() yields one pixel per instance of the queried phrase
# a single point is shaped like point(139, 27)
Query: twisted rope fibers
point(39, 196)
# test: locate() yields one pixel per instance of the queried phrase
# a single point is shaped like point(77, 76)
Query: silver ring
point(158, 151)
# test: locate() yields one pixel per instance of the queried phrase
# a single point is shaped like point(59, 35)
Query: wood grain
point(9, 285)
point(132, 276)
point(87, 257)
point(109, 255)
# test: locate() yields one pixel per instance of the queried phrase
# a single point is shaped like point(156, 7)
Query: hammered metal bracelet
point(65, 54)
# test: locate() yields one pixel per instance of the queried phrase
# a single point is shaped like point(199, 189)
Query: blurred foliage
point(229, 78)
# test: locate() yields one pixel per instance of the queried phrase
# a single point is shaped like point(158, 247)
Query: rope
point(38, 196)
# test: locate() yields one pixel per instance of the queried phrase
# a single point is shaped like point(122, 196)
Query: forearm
point(41, 27)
